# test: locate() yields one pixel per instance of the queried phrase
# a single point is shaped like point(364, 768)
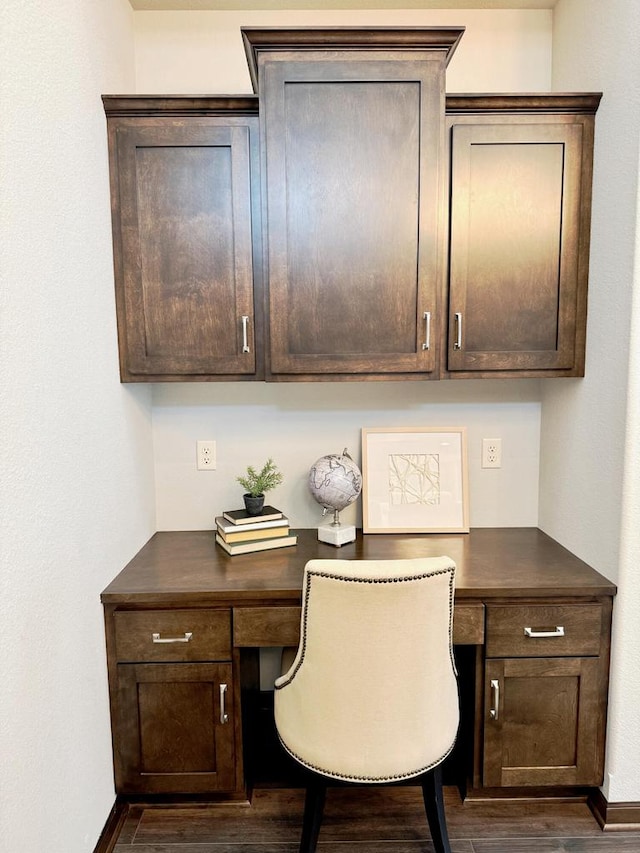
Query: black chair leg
point(434, 806)
point(313, 810)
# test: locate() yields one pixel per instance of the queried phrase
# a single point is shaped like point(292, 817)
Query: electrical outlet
point(492, 453)
point(206, 455)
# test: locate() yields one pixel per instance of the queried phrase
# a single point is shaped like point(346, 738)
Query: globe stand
point(337, 534)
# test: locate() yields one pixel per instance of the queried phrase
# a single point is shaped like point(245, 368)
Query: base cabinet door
point(543, 722)
point(176, 728)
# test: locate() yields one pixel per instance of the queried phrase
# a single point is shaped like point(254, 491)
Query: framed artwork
point(415, 480)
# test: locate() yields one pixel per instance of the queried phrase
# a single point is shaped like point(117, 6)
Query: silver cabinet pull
point(224, 717)
point(557, 632)
point(245, 334)
point(458, 318)
point(427, 330)
point(156, 638)
point(495, 704)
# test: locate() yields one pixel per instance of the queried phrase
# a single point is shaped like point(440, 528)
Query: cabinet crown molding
point(585, 103)
point(178, 105)
point(259, 39)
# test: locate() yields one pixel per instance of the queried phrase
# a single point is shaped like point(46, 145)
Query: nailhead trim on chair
point(332, 576)
point(371, 779)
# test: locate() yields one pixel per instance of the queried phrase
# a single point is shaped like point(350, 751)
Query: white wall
point(77, 475)
point(202, 51)
point(590, 428)
point(196, 52)
point(298, 422)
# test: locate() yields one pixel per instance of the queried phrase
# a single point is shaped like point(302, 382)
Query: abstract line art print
point(414, 478)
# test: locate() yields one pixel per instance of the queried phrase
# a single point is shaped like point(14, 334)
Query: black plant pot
point(253, 504)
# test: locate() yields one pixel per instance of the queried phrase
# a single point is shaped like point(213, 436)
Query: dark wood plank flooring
point(367, 820)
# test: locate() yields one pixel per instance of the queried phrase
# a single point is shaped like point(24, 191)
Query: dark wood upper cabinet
point(352, 129)
point(520, 204)
point(185, 203)
point(362, 226)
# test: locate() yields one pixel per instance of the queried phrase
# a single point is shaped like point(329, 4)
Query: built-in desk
point(183, 622)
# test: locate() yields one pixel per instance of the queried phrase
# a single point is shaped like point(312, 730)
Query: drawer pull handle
point(427, 330)
point(495, 704)
point(458, 342)
point(224, 717)
point(531, 632)
point(245, 334)
point(184, 639)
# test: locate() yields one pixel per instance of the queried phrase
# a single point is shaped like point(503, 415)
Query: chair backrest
point(371, 695)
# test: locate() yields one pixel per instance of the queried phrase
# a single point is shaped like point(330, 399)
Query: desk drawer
point(280, 626)
point(256, 627)
point(173, 635)
point(543, 630)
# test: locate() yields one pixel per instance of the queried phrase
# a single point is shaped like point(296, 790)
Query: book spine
point(246, 535)
point(251, 547)
point(226, 526)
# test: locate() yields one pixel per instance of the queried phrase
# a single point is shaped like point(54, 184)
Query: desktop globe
point(335, 482)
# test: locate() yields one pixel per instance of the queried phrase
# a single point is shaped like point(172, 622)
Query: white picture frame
point(415, 480)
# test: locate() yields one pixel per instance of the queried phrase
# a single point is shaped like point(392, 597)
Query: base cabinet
point(174, 701)
point(531, 628)
point(175, 727)
point(545, 704)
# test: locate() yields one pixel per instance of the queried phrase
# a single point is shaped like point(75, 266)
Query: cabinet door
point(516, 292)
point(543, 722)
point(353, 186)
point(183, 248)
point(175, 732)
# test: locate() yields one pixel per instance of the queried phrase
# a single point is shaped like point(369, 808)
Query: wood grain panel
point(525, 216)
point(187, 712)
point(170, 737)
point(256, 627)
point(183, 225)
point(549, 722)
point(179, 569)
point(515, 245)
point(582, 625)
point(468, 624)
point(280, 626)
point(353, 157)
point(210, 635)
point(353, 192)
point(186, 231)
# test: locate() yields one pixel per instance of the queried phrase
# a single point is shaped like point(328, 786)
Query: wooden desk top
point(187, 568)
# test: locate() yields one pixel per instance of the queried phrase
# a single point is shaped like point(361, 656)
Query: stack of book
point(240, 533)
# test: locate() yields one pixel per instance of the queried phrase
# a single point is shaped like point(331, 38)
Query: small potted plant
point(256, 483)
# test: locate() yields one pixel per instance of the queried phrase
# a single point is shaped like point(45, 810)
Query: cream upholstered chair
point(371, 695)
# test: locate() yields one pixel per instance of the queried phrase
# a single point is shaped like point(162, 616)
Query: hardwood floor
point(366, 820)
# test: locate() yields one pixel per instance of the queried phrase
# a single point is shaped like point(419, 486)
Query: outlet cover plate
point(205, 455)
point(492, 453)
